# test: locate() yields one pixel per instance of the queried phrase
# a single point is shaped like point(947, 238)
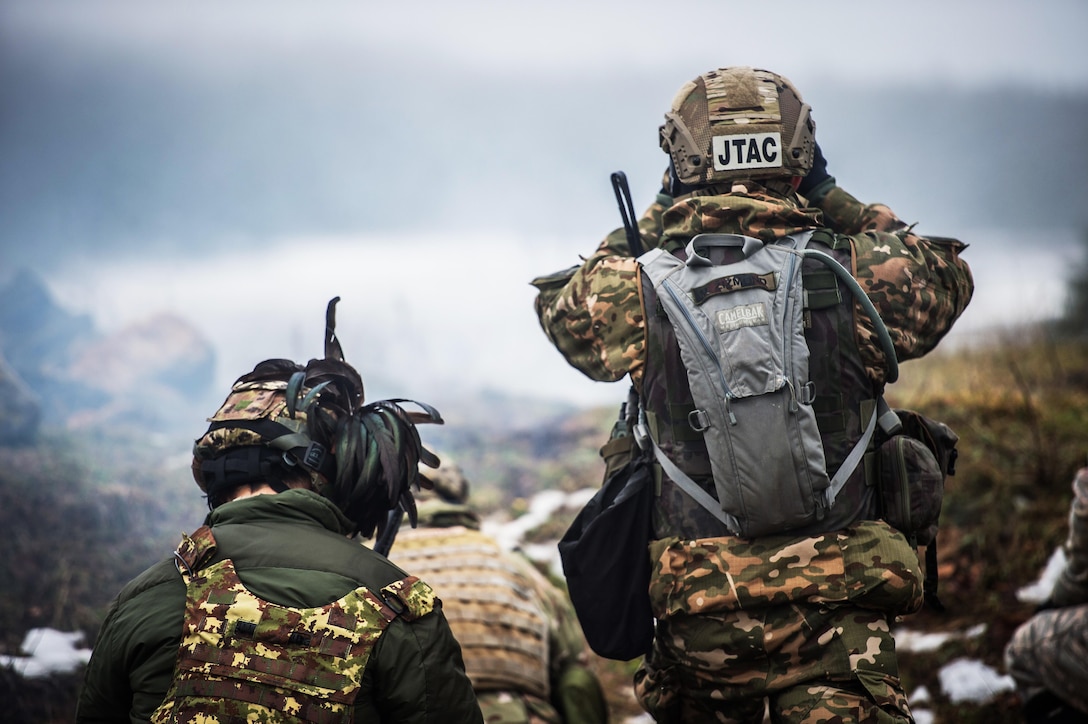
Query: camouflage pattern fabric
point(244, 659)
point(592, 313)
point(846, 215)
point(1072, 586)
point(919, 286)
point(1050, 651)
point(801, 622)
point(774, 637)
point(247, 402)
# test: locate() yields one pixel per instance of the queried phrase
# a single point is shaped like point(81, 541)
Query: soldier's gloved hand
point(818, 182)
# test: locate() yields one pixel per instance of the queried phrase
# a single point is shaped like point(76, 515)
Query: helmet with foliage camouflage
point(738, 123)
point(287, 422)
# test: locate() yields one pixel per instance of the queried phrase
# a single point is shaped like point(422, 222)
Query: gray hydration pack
point(737, 307)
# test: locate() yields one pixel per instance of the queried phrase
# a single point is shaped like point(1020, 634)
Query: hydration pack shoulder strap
point(690, 288)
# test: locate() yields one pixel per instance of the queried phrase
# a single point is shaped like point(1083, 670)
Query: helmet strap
point(247, 465)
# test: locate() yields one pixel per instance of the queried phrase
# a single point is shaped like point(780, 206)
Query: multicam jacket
point(594, 316)
point(290, 549)
point(602, 318)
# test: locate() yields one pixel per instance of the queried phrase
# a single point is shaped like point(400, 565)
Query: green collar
point(296, 504)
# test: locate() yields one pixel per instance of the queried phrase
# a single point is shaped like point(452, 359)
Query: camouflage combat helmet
point(285, 421)
point(738, 123)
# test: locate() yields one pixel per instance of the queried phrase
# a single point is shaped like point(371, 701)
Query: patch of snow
point(542, 507)
point(968, 680)
point(48, 652)
point(923, 716)
point(546, 554)
point(919, 697)
point(914, 642)
point(1039, 591)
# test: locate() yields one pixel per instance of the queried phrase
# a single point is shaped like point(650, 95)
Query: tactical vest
point(245, 659)
point(492, 606)
point(844, 400)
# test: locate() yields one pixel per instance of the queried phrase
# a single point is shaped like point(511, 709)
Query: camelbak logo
point(747, 150)
point(746, 315)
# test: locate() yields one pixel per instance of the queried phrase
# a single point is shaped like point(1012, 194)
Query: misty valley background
point(181, 199)
point(433, 256)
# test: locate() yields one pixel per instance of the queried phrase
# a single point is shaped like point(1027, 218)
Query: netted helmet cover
point(311, 420)
point(738, 123)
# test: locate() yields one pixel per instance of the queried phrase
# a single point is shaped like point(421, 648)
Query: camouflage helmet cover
point(257, 413)
point(738, 123)
point(363, 457)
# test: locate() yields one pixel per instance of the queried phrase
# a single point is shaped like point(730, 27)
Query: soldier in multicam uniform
point(270, 612)
point(522, 646)
point(798, 622)
point(1048, 654)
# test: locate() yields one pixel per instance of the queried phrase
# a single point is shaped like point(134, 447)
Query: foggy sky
point(165, 127)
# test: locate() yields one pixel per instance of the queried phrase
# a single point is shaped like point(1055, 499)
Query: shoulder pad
point(410, 597)
point(194, 550)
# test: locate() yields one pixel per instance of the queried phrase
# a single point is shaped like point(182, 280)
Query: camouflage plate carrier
point(243, 659)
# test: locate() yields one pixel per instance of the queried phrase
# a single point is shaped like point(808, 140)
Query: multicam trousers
point(1050, 652)
point(801, 624)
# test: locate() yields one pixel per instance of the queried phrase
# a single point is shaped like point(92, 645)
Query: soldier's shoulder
point(160, 576)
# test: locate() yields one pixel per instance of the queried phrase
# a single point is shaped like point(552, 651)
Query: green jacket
point(291, 549)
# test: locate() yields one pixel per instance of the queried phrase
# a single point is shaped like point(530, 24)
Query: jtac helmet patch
point(747, 150)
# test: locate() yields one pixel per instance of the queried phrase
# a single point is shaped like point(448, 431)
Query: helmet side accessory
point(286, 421)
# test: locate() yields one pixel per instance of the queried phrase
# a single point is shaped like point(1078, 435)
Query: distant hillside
point(60, 371)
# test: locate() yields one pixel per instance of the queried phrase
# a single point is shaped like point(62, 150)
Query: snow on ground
point(542, 507)
point(48, 652)
point(970, 681)
point(1040, 590)
point(916, 642)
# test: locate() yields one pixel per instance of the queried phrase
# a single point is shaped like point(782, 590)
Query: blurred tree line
point(1075, 319)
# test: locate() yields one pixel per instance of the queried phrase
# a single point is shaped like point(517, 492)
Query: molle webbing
point(241, 656)
point(491, 604)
